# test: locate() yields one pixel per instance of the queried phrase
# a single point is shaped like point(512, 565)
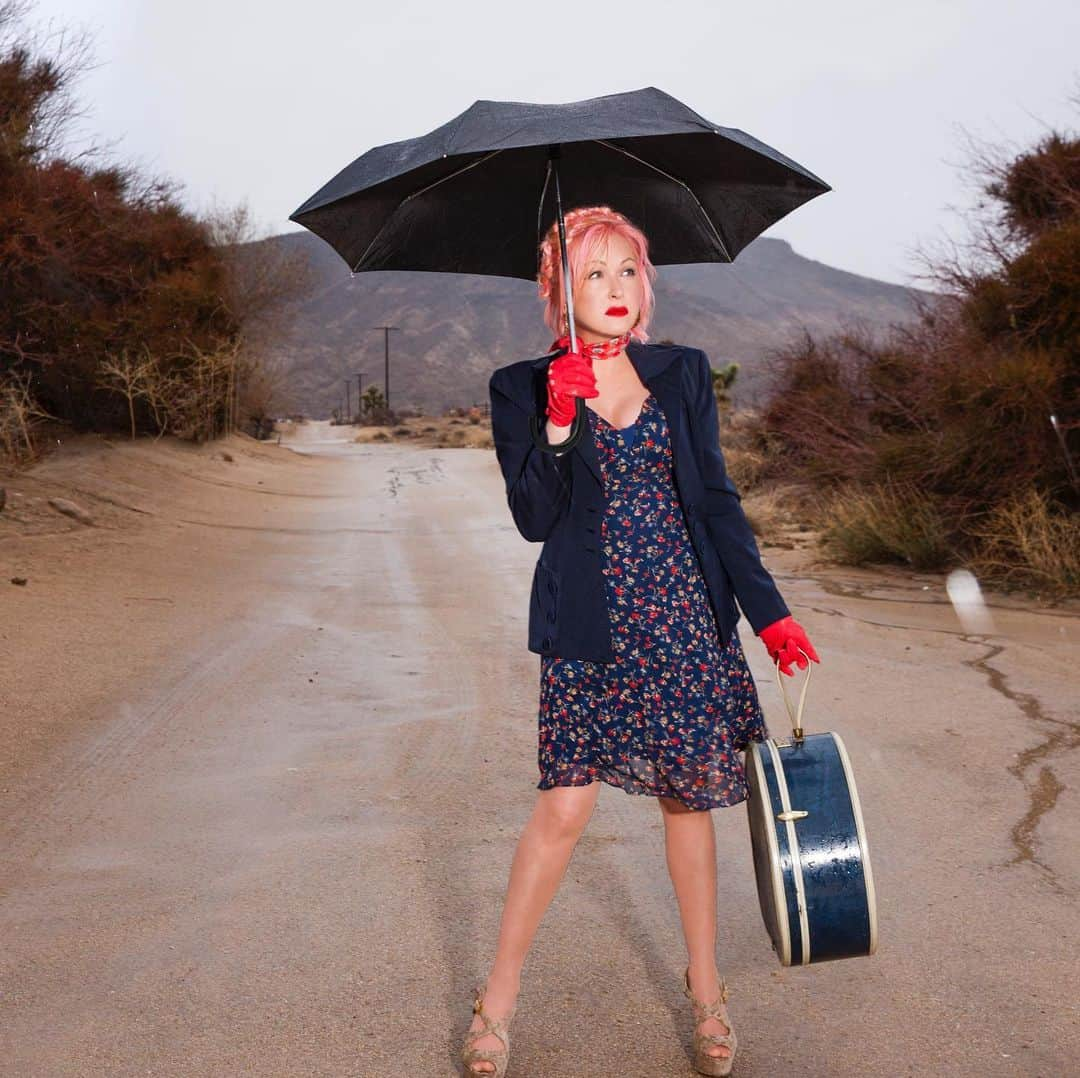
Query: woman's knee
point(563, 811)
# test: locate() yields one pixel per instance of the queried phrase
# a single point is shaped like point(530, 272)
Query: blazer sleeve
point(537, 483)
point(754, 587)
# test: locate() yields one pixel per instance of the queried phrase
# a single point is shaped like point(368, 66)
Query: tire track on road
point(66, 793)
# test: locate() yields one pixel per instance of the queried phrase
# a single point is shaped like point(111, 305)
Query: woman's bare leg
point(690, 845)
point(540, 860)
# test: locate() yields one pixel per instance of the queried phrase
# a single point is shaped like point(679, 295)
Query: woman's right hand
point(569, 376)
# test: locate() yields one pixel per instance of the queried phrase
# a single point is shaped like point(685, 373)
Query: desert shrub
point(20, 415)
point(887, 522)
point(932, 443)
point(1026, 541)
point(113, 296)
point(374, 411)
point(745, 467)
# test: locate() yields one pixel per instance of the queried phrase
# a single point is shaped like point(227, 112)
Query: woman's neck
point(612, 370)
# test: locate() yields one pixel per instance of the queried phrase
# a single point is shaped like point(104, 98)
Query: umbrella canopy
point(476, 195)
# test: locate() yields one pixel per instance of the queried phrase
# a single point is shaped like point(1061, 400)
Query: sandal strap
point(709, 1010)
point(716, 1009)
point(483, 1055)
point(721, 1018)
point(724, 1039)
point(498, 1026)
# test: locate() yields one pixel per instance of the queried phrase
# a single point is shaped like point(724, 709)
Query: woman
point(675, 703)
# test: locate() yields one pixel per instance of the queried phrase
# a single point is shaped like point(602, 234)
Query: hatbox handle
point(796, 718)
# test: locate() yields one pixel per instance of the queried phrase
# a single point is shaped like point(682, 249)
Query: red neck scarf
point(603, 350)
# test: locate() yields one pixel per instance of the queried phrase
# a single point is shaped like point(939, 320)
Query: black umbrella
point(477, 194)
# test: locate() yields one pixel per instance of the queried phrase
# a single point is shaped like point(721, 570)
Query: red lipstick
point(617, 311)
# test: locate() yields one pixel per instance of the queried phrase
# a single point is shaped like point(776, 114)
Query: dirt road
point(270, 736)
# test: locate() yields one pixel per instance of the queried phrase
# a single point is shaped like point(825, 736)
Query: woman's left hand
point(783, 639)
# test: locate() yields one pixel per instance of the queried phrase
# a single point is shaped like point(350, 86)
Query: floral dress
point(669, 716)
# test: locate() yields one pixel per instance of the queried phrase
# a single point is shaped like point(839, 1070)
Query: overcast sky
point(265, 102)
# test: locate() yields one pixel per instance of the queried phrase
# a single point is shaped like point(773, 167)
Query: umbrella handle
point(538, 425)
point(538, 429)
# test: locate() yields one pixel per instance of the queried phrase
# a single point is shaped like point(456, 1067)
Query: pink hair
point(588, 229)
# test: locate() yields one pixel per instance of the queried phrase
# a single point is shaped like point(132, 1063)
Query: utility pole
point(386, 377)
point(348, 401)
point(359, 392)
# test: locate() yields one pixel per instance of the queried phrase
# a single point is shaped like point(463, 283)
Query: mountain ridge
point(455, 329)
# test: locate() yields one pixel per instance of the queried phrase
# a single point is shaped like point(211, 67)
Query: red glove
point(569, 376)
point(783, 639)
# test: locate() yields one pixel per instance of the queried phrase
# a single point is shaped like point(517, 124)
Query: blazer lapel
point(663, 376)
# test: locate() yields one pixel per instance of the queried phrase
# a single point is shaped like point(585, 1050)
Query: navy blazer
point(559, 501)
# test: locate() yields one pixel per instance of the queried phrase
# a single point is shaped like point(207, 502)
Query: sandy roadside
point(183, 541)
point(268, 737)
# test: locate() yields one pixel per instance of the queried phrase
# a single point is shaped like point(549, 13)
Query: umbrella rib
point(674, 179)
point(540, 208)
point(416, 194)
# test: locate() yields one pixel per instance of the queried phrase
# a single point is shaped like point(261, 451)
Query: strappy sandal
point(500, 1057)
point(703, 1062)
